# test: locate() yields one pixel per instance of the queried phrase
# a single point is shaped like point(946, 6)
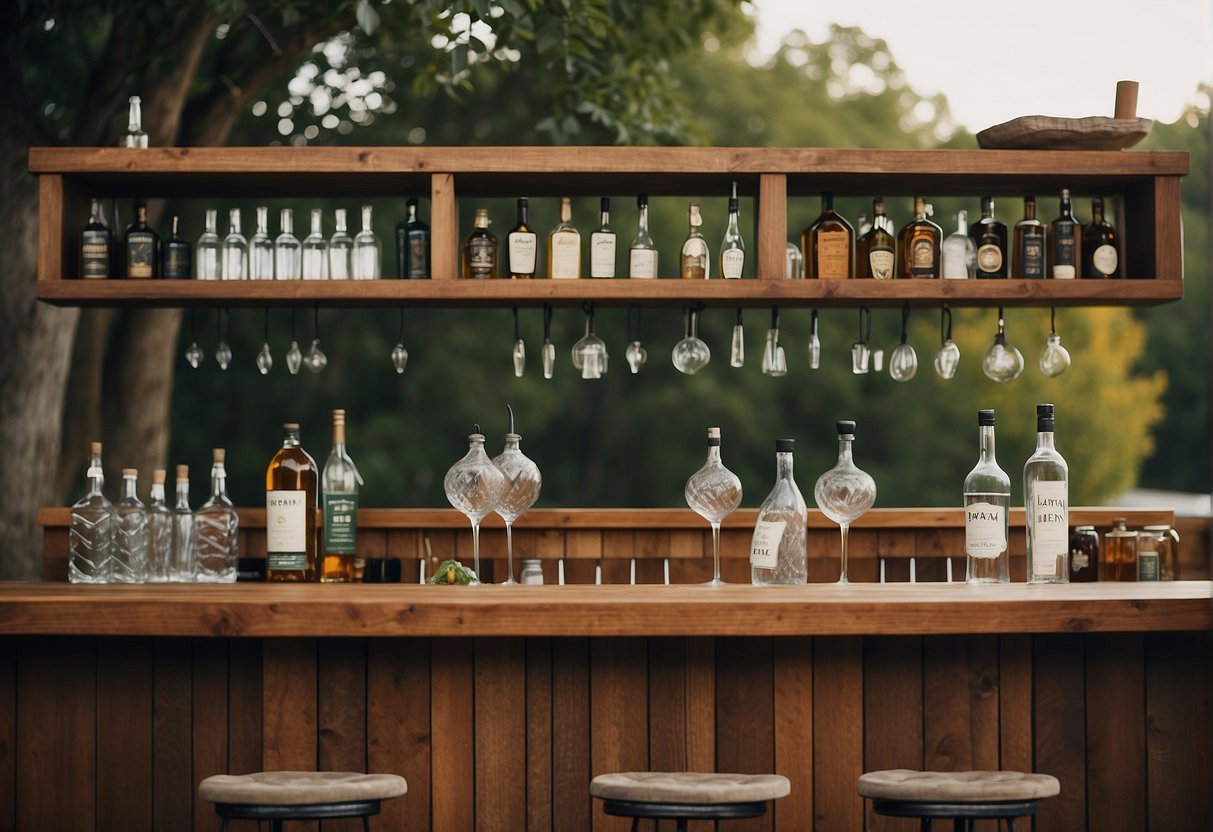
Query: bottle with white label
point(696, 263)
point(1046, 502)
point(602, 244)
point(642, 256)
point(987, 496)
point(777, 550)
point(959, 253)
point(1100, 254)
point(521, 245)
point(340, 482)
point(290, 511)
point(990, 236)
point(564, 245)
point(732, 248)
point(1065, 241)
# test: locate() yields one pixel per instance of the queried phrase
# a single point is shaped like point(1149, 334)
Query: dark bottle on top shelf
point(96, 245)
point(1100, 255)
point(990, 237)
point(919, 245)
point(142, 247)
point(178, 256)
point(877, 249)
point(479, 256)
point(413, 245)
point(1065, 241)
point(1029, 242)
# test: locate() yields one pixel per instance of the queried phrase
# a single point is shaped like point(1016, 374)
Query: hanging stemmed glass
point(520, 491)
point(861, 353)
point(519, 354)
point(774, 360)
point(737, 348)
point(814, 343)
point(713, 492)
point(1054, 358)
point(548, 351)
point(265, 361)
point(193, 353)
point(1003, 362)
point(294, 356)
point(903, 363)
point(474, 485)
point(400, 356)
point(635, 354)
point(948, 357)
point(690, 355)
point(589, 351)
point(845, 493)
point(223, 353)
point(315, 359)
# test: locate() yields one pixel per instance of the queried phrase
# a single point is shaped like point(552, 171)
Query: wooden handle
point(1126, 99)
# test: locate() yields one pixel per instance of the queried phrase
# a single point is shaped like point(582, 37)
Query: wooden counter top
point(257, 610)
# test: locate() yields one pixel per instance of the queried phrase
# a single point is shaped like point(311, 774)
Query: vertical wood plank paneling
point(701, 711)
point(8, 734)
point(946, 717)
point(453, 777)
point(500, 702)
point(745, 712)
point(209, 720)
point(667, 704)
point(1116, 742)
point(1016, 744)
point(618, 713)
point(570, 735)
point(837, 732)
point(124, 734)
point(173, 786)
point(793, 658)
point(1060, 719)
point(1177, 719)
point(341, 712)
point(289, 715)
point(398, 725)
point(983, 701)
point(892, 714)
point(244, 711)
point(539, 735)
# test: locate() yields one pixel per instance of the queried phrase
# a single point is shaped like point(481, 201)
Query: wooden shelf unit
point(1148, 184)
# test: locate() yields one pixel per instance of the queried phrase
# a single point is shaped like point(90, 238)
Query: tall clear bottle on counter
point(183, 563)
point(777, 549)
point(159, 531)
point(130, 533)
point(1046, 501)
point(987, 500)
point(340, 482)
point(217, 528)
point(91, 528)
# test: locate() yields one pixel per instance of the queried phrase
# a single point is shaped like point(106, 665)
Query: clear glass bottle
point(1119, 561)
point(987, 501)
point(919, 245)
point(96, 244)
point(261, 248)
point(473, 485)
point(1100, 255)
point(532, 571)
point(713, 492)
point(339, 483)
point(413, 245)
point(217, 530)
point(208, 249)
point(959, 253)
point(159, 531)
point(235, 249)
point(845, 492)
point(368, 253)
point(777, 549)
point(134, 136)
point(695, 263)
point(793, 263)
point(522, 245)
point(341, 249)
point(290, 511)
point(1028, 257)
point(287, 260)
point(829, 244)
point(523, 483)
point(564, 245)
point(142, 247)
point(1150, 542)
point(314, 257)
point(876, 252)
point(642, 255)
point(1065, 241)
point(91, 528)
point(602, 243)
point(130, 533)
point(1046, 501)
point(732, 247)
point(990, 237)
point(178, 255)
point(478, 259)
point(183, 563)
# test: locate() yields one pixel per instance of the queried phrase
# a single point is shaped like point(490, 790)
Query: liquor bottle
point(159, 531)
point(413, 245)
point(777, 550)
point(990, 237)
point(341, 249)
point(602, 243)
point(91, 528)
point(235, 249)
point(290, 511)
point(287, 260)
point(142, 247)
point(340, 482)
point(178, 255)
point(564, 245)
point(877, 249)
point(522, 245)
point(479, 260)
point(217, 530)
point(732, 247)
point(1046, 502)
point(368, 253)
point(206, 252)
point(314, 251)
point(134, 137)
point(959, 253)
point(1029, 257)
point(642, 255)
point(96, 244)
point(829, 244)
point(261, 248)
point(183, 564)
point(1065, 241)
point(1119, 553)
point(1084, 555)
point(695, 262)
point(919, 245)
point(1100, 257)
point(987, 496)
point(130, 533)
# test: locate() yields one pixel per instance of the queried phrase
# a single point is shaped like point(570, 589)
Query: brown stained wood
point(690, 543)
point(837, 732)
point(618, 713)
point(571, 736)
point(701, 713)
point(618, 543)
point(500, 720)
point(244, 707)
point(173, 786)
point(772, 219)
point(946, 722)
point(983, 701)
point(52, 265)
point(1177, 730)
point(341, 713)
point(124, 734)
point(892, 715)
point(209, 719)
point(8, 734)
point(583, 543)
point(1060, 729)
point(444, 228)
point(452, 769)
point(745, 712)
point(1016, 746)
point(1116, 732)
point(667, 704)
point(793, 730)
point(539, 740)
point(398, 726)
point(289, 707)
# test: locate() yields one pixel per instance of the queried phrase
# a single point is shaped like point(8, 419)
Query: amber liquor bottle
point(1065, 241)
point(1029, 243)
point(990, 238)
point(1100, 257)
point(877, 251)
point(828, 244)
point(142, 247)
point(290, 511)
point(340, 482)
point(479, 256)
point(96, 245)
point(919, 245)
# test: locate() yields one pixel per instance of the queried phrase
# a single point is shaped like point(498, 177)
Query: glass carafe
point(474, 485)
point(91, 528)
point(216, 527)
point(844, 493)
point(159, 531)
point(130, 533)
point(713, 492)
point(520, 490)
point(777, 550)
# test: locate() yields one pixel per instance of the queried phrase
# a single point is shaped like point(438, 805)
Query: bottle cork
point(713, 433)
point(158, 476)
point(130, 472)
point(183, 473)
point(339, 417)
point(217, 455)
point(1126, 99)
point(94, 448)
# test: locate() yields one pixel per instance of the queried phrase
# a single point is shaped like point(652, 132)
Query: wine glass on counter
point(845, 493)
point(713, 492)
point(474, 485)
point(520, 490)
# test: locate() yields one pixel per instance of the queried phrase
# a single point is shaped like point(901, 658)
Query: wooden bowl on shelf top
point(1051, 133)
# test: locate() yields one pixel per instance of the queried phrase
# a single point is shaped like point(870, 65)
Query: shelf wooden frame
point(1148, 184)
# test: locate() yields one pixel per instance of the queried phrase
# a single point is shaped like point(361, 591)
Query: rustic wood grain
point(398, 726)
point(1016, 739)
point(745, 713)
point(893, 714)
point(618, 709)
point(174, 786)
point(341, 713)
point(124, 734)
point(772, 221)
point(52, 266)
point(452, 713)
point(793, 731)
point(1177, 730)
point(571, 734)
point(1060, 729)
point(209, 720)
point(244, 712)
point(1116, 732)
point(500, 725)
point(837, 732)
point(667, 704)
point(539, 739)
point(444, 228)
point(290, 713)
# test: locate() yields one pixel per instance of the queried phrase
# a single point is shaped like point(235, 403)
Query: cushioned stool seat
point(963, 796)
point(299, 795)
point(686, 795)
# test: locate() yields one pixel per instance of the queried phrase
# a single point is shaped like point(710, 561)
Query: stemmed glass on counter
point(474, 486)
point(520, 490)
point(714, 492)
point(845, 493)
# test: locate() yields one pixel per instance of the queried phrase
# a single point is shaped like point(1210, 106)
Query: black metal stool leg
point(1010, 824)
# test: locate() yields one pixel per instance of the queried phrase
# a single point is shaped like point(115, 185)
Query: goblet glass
point(845, 493)
point(519, 492)
point(1054, 358)
point(474, 485)
point(1003, 362)
point(713, 492)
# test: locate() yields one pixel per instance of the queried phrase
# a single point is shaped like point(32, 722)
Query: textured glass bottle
point(520, 490)
point(564, 245)
point(1046, 501)
point(959, 253)
point(844, 493)
point(987, 501)
point(413, 245)
point(290, 511)
point(130, 533)
point(235, 249)
point(261, 248)
point(216, 528)
point(877, 249)
point(602, 243)
point(919, 245)
point(183, 564)
point(777, 549)
point(1028, 258)
point(713, 492)
point(829, 244)
point(159, 531)
point(522, 245)
point(1065, 241)
point(990, 237)
point(91, 528)
point(207, 250)
point(368, 253)
point(1100, 255)
point(341, 248)
point(479, 252)
point(314, 250)
point(473, 485)
point(696, 264)
point(96, 244)
point(732, 247)
point(339, 484)
point(178, 255)
point(642, 255)
point(287, 259)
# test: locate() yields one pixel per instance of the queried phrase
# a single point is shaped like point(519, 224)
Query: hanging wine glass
point(223, 352)
point(193, 353)
point(948, 357)
point(519, 354)
point(737, 348)
point(861, 353)
point(1054, 358)
point(774, 361)
point(845, 493)
point(1003, 362)
point(903, 363)
point(814, 344)
point(473, 485)
point(635, 354)
point(690, 355)
point(589, 351)
point(265, 361)
point(519, 492)
point(294, 357)
point(315, 359)
point(399, 355)
point(877, 360)
point(548, 352)
point(713, 492)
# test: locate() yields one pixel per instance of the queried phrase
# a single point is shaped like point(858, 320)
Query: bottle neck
point(733, 209)
point(316, 218)
point(604, 218)
point(95, 475)
point(412, 212)
point(783, 466)
point(176, 225)
point(987, 209)
point(523, 213)
point(287, 221)
point(157, 492)
point(290, 439)
point(962, 222)
point(233, 221)
point(183, 494)
point(1044, 440)
point(263, 221)
point(130, 488)
point(986, 438)
point(218, 480)
point(340, 220)
point(339, 435)
point(211, 220)
point(566, 211)
point(644, 217)
point(1097, 211)
point(713, 453)
point(844, 449)
point(366, 218)
point(1029, 209)
point(134, 120)
point(95, 215)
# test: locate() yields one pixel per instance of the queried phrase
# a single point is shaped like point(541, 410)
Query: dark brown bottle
point(990, 239)
point(178, 256)
point(1029, 243)
point(1084, 554)
point(876, 256)
point(290, 512)
point(828, 244)
point(142, 247)
point(919, 245)
point(1100, 254)
point(1065, 241)
point(96, 245)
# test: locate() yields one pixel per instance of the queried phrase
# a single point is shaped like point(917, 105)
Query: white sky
point(993, 69)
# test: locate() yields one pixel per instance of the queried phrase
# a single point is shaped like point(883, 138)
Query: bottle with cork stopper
point(217, 527)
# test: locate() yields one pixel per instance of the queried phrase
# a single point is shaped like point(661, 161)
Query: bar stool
point(685, 796)
point(299, 795)
point(963, 796)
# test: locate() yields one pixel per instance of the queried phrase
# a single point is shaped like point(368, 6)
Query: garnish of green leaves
point(452, 571)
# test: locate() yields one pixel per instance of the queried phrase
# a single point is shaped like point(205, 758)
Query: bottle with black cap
point(777, 550)
point(987, 496)
point(845, 492)
point(1046, 502)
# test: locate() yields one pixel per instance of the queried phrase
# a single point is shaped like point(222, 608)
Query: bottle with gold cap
point(217, 526)
point(290, 511)
point(340, 481)
point(91, 528)
point(182, 564)
point(159, 531)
